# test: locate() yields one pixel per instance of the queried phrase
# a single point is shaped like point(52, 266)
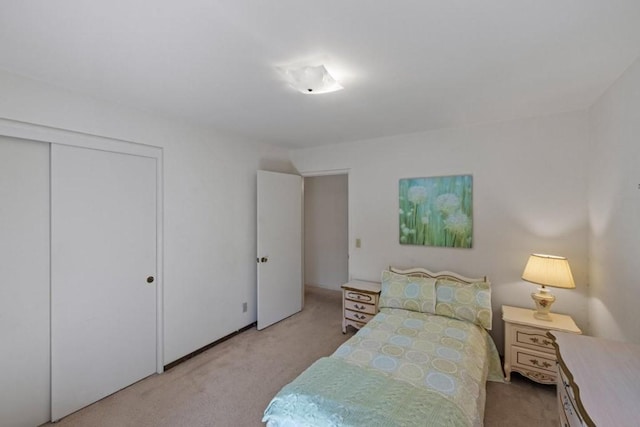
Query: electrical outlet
point(244, 307)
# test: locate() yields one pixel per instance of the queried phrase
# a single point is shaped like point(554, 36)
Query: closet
point(80, 295)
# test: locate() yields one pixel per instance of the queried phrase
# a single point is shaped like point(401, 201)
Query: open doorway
point(326, 231)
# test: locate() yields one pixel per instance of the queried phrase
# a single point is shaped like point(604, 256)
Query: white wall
point(24, 282)
point(614, 210)
point(326, 224)
point(209, 211)
point(530, 195)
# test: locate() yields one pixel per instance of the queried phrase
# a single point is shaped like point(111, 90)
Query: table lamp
point(547, 270)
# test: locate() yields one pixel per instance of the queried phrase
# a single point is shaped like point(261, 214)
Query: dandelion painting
point(437, 211)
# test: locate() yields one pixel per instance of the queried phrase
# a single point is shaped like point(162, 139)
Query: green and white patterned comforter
point(403, 368)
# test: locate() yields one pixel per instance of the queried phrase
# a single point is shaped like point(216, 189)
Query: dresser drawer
point(359, 306)
point(564, 422)
point(360, 296)
point(569, 414)
point(357, 316)
point(532, 338)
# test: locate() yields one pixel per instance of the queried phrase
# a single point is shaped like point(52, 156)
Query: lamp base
point(543, 299)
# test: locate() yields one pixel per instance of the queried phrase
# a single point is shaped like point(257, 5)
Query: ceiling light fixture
point(311, 79)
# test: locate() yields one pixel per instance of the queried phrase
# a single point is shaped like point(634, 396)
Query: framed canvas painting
point(437, 211)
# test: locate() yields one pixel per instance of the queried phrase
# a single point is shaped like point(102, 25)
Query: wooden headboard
point(423, 272)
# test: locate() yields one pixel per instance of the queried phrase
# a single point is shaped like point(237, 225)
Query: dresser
point(527, 348)
point(359, 303)
point(599, 381)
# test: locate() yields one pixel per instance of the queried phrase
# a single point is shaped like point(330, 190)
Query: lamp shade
point(548, 270)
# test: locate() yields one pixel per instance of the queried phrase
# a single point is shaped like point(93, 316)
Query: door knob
point(264, 259)
point(150, 279)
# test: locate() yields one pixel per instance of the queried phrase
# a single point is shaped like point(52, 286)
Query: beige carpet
point(231, 383)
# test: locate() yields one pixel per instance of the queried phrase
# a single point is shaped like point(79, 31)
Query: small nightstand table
point(527, 349)
point(359, 303)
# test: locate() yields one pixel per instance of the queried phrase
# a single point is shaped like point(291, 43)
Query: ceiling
point(407, 66)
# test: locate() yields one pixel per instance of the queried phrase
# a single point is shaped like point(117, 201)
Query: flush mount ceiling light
point(311, 79)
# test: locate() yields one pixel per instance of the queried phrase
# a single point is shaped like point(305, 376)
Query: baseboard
point(326, 288)
point(207, 347)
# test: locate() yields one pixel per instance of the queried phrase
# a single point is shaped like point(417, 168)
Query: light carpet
point(232, 383)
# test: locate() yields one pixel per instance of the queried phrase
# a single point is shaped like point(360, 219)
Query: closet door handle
point(150, 279)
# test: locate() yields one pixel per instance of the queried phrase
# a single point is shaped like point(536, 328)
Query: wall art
point(437, 211)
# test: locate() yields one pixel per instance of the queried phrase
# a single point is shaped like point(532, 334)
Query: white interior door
point(279, 246)
point(103, 249)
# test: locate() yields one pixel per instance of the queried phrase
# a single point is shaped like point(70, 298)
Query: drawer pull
point(536, 340)
point(359, 297)
point(360, 316)
point(536, 362)
point(568, 407)
point(359, 307)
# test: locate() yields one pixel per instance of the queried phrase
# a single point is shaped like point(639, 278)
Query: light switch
point(358, 243)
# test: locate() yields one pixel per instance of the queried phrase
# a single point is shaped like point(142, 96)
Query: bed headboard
point(423, 272)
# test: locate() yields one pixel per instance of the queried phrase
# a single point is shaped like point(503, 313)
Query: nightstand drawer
point(535, 361)
point(533, 338)
point(360, 306)
point(357, 316)
point(360, 296)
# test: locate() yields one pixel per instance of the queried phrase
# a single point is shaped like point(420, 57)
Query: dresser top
point(607, 376)
point(361, 285)
point(524, 316)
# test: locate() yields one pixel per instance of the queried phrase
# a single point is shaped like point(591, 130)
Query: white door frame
point(330, 172)
point(34, 132)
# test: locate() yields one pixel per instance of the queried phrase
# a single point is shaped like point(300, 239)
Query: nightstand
point(359, 303)
point(527, 348)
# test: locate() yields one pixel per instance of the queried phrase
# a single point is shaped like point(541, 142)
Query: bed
point(423, 359)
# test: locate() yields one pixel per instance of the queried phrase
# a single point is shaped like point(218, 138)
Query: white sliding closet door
point(103, 249)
